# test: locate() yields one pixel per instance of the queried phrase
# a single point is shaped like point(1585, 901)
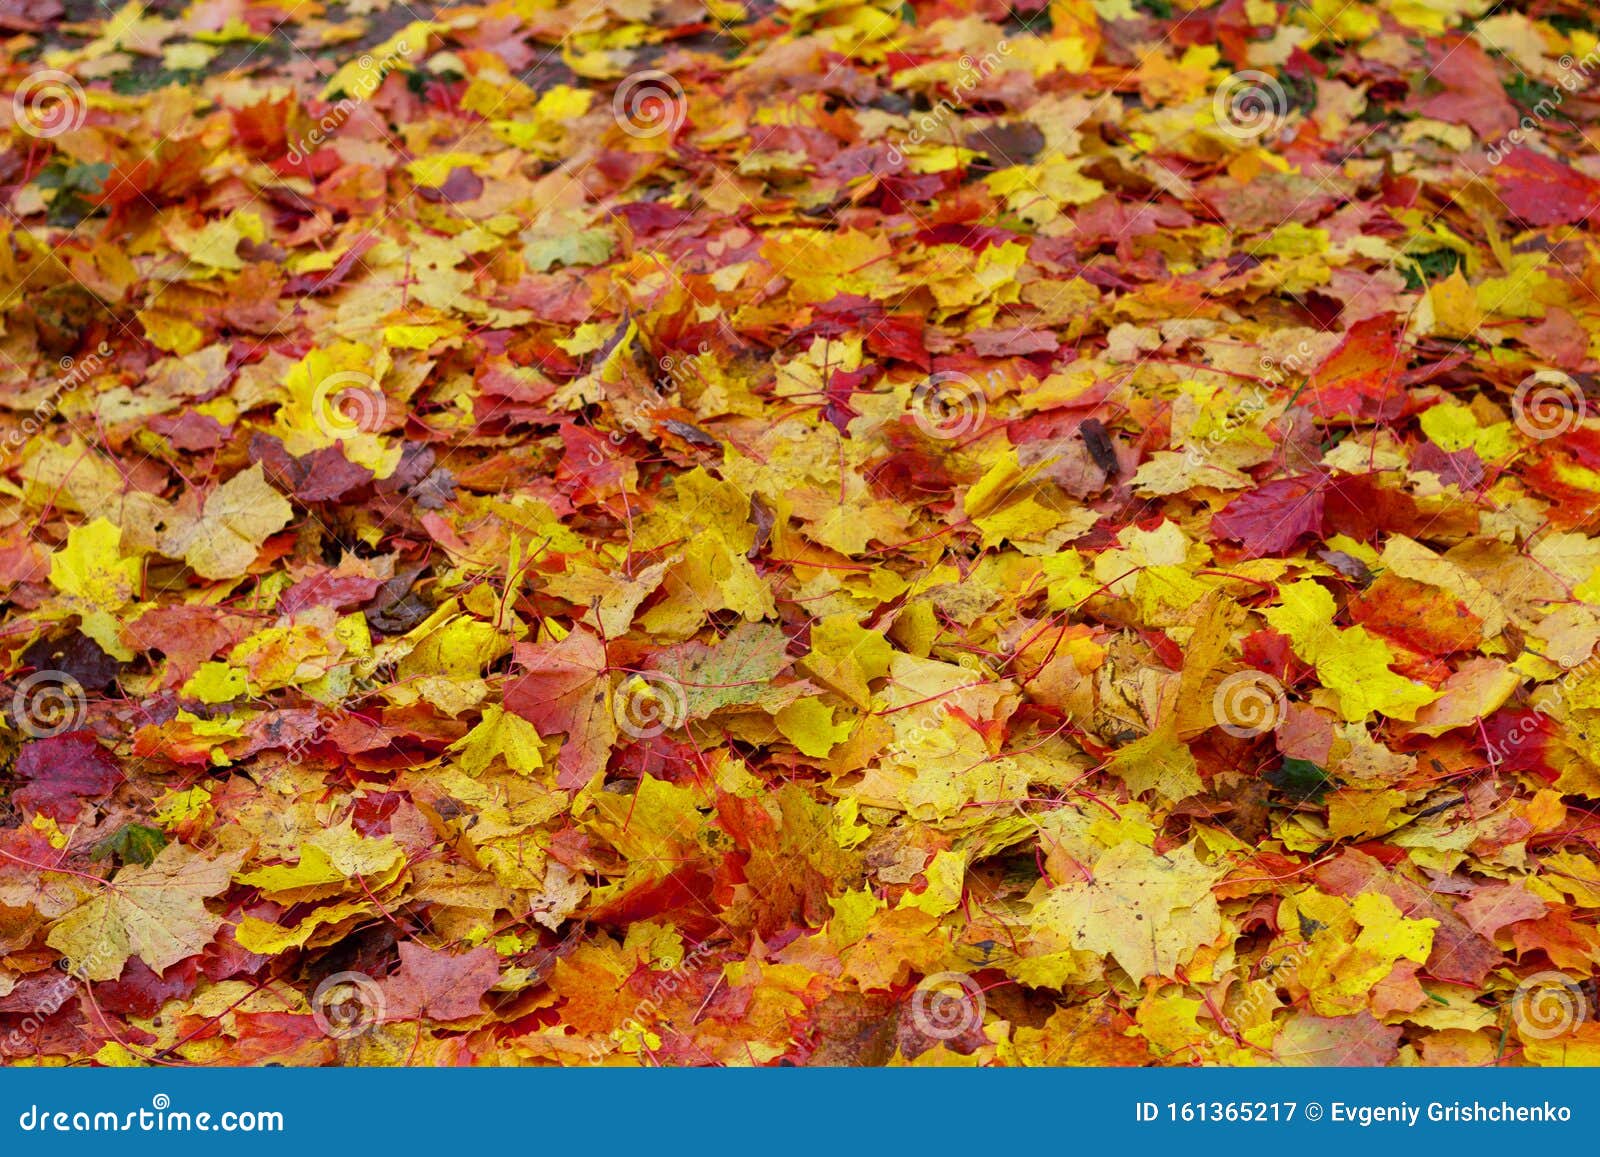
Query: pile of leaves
point(720, 532)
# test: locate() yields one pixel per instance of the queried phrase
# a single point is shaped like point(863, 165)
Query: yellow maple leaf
point(499, 734)
point(157, 913)
point(1147, 911)
point(222, 539)
point(845, 656)
point(97, 581)
point(1352, 663)
point(335, 395)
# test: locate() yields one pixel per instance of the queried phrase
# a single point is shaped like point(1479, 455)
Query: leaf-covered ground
point(691, 532)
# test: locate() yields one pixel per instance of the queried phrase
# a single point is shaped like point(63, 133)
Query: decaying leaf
point(842, 531)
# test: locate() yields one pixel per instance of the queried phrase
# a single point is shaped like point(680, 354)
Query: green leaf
point(132, 844)
point(1300, 780)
